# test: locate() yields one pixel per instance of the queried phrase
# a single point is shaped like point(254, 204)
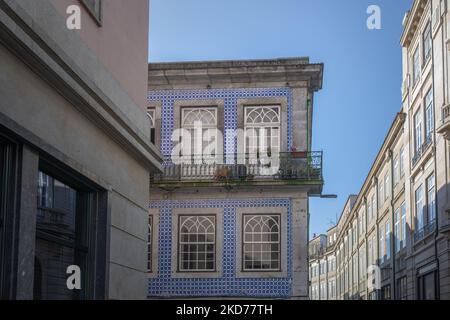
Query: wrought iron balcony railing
point(421, 150)
point(425, 231)
point(306, 166)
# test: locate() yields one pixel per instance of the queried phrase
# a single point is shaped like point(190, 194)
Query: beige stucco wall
point(34, 105)
point(121, 47)
point(82, 101)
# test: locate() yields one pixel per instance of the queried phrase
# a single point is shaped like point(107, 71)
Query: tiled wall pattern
point(229, 96)
point(227, 285)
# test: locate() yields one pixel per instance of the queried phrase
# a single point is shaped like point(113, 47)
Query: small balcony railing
point(422, 149)
point(425, 231)
point(292, 166)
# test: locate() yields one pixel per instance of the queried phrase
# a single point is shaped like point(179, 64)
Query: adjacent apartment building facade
point(229, 213)
point(75, 149)
point(400, 220)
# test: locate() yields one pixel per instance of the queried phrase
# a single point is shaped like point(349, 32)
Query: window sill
point(262, 274)
point(196, 275)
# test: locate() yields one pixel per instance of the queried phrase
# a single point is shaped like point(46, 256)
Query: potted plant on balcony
point(298, 154)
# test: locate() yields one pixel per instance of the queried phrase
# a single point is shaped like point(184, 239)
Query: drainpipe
point(366, 249)
point(377, 230)
point(392, 236)
point(308, 122)
point(436, 231)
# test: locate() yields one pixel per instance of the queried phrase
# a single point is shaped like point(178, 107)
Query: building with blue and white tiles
point(229, 214)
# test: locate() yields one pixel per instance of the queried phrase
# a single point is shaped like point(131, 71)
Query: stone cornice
point(412, 21)
point(285, 72)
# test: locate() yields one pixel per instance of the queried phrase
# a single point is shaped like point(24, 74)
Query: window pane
point(56, 207)
point(418, 132)
point(261, 247)
point(419, 209)
point(427, 287)
point(197, 243)
point(51, 262)
point(427, 42)
point(262, 130)
point(59, 239)
point(7, 192)
point(431, 199)
point(429, 114)
point(199, 133)
point(416, 65)
point(403, 238)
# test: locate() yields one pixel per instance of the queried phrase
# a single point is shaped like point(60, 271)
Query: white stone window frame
point(198, 225)
point(218, 213)
point(157, 106)
point(154, 213)
point(264, 102)
point(276, 218)
point(429, 122)
point(262, 112)
point(207, 128)
point(151, 114)
point(179, 105)
point(427, 55)
point(418, 130)
point(282, 212)
point(416, 70)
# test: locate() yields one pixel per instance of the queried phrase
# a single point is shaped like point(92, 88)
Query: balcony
point(444, 129)
point(421, 151)
point(425, 231)
point(290, 168)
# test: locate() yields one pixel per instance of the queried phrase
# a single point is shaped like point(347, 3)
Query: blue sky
point(362, 79)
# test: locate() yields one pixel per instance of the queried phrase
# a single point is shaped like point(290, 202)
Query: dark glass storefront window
point(61, 239)
point(427, 286)
point(386, 293)
point(7, 195)
point(402, 289)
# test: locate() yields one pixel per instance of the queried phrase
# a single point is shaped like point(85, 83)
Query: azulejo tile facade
point(229, 97)
point(228, 284)
point(235, 260)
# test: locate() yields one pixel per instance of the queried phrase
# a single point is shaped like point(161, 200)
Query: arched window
point(206, 116)
point(197, 243)
point(191, 120)
point(262, 130)
point(151, 114)
point(261, 249)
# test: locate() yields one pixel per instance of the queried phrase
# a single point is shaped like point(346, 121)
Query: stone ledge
point(282, 71)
